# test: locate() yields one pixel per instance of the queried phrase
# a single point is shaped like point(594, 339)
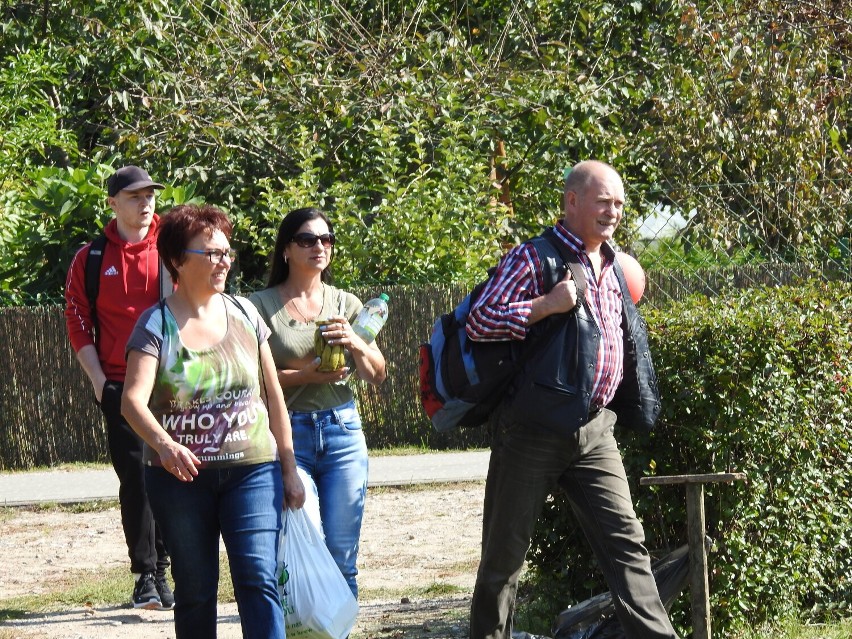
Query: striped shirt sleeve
point(502, 311)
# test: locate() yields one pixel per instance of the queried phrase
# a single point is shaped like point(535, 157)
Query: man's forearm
point(91, 364)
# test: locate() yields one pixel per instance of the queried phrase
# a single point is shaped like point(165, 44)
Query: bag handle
point(302, 526)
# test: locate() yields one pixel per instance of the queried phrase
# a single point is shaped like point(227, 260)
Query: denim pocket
point(347, 416)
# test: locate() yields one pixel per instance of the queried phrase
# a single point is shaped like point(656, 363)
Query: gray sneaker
point(167, 598)
point(145, 593)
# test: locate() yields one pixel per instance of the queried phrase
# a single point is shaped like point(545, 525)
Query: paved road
point(70, 486)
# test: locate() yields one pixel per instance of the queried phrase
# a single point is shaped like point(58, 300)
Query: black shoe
point(145, 593)
point(167, 598)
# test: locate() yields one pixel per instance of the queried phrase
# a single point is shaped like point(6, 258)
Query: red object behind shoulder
point(634, 275)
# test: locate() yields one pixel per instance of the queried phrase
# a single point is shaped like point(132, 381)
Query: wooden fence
point(48, 413)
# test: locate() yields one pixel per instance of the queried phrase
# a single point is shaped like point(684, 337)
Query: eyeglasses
point(307, 240)
point(216, 256)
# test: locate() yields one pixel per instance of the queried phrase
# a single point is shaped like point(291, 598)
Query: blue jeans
point(331, 448)
point(244, 504)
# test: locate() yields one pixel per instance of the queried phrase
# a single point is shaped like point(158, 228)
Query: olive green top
point(292, 339)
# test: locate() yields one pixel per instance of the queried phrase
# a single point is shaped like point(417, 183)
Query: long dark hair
point(279, 269)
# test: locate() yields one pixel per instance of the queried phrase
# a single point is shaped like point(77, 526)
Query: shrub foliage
point(756, 381)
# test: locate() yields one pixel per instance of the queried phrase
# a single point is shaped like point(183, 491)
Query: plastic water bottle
point(371, 318)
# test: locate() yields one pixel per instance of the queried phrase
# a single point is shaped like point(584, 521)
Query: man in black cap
point(128, 281)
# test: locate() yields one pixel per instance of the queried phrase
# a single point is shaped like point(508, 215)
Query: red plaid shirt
point(503, 309)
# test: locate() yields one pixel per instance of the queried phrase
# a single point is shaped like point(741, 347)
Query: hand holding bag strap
point(550, 278)
point(570, 259)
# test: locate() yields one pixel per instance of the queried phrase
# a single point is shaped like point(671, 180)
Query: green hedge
point(756, 381)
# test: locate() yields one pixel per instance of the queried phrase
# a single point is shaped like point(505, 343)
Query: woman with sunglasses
point(327, 433)
point(202, 392)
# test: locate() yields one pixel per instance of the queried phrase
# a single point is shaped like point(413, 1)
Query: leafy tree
point(33, 133)
point(757, 127)
point(423, 127)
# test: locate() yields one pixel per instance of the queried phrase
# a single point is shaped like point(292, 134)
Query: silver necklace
point(299, 311)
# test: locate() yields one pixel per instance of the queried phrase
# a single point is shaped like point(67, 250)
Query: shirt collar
point(577, 246)
point(572, 241)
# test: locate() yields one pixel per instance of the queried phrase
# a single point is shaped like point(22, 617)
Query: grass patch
point(401, 451)
point(10, 614)
point(110, 587)
point(371, 595)
point(424, 487)
point(796, 630)
point(66, 466)
point(469, 566)
point(439, 589)
point(79, 507)
point(75, 588)
point(76, 508)
point(435, 590)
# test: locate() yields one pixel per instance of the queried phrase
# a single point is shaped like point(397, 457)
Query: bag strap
point(571, 261)
point(167, 287)
point(162, 305)
point(92, 271)
point(94, 259)
point(236, 303)
point(548, 245)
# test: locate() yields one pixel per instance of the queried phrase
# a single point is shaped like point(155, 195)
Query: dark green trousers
point(525, 467)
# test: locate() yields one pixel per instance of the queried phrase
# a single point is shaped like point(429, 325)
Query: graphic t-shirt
point(209, 400)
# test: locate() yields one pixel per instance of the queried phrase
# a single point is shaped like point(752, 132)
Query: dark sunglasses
point(307, 240)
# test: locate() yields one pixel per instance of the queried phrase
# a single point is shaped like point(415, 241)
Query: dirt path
point(413, 539)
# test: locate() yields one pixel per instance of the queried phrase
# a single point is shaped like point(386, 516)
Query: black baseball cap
point(130, 178)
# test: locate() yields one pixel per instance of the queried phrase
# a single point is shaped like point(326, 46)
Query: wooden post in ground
point(698, 573)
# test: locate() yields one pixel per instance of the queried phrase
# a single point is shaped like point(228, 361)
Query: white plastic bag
point(317, 601)
point(311, 507)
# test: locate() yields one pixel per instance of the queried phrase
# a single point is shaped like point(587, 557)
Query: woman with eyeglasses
point(203, 394)
point(327, 433)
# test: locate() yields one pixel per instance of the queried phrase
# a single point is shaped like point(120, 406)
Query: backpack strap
point(551, 251)
point(569, 259)
point(555, 260)
point(92, 271)
point(167, 287)
point(236, 303)
point(162, 305)
point(94, 259)
point(233, 300)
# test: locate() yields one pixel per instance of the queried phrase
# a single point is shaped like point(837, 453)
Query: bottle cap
point(384, 297)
